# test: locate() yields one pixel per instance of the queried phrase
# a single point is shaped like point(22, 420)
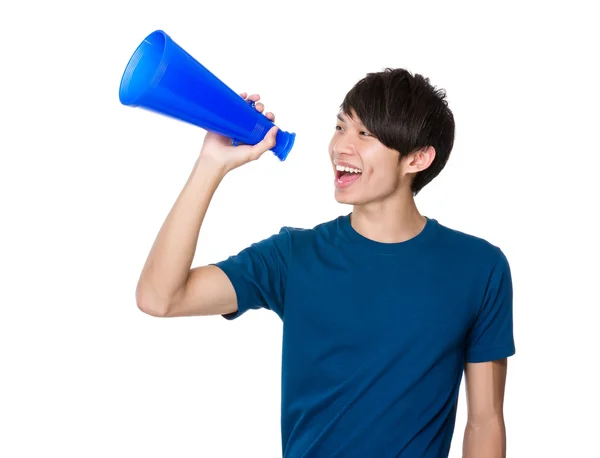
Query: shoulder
point(469, 246)
point(308, 240)
point(323, 229)
point(474, 259)
point(291, 237)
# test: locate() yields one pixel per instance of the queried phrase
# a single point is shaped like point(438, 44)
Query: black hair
point(406, 113)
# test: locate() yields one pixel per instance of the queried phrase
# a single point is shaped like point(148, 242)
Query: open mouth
point(346, 175)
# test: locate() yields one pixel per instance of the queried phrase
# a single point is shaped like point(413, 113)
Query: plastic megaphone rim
point(129, 96)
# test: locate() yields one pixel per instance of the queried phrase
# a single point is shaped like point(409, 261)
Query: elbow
point(150, 305)
point(153, 309)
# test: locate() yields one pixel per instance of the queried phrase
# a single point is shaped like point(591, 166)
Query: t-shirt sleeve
point(259, 274)
point(491, 336)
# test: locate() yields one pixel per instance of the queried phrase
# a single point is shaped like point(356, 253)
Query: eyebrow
point(341, 118)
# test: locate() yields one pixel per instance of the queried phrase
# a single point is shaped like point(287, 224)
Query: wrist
point(212, 166)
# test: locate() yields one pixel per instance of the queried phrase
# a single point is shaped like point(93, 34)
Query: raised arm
point(485, 434)
point(167, 285)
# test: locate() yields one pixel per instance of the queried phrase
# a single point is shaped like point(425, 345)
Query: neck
point(388, 221)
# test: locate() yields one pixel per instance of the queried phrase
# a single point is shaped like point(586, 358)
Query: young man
point(382, 308)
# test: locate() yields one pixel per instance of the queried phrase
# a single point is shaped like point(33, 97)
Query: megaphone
point(161, 77)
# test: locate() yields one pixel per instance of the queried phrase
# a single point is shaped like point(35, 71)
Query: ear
point(419, 160)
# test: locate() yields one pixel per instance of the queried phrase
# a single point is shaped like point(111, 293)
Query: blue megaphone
point(163, 78)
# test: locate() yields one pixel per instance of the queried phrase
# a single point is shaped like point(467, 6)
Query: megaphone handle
point(235, 142)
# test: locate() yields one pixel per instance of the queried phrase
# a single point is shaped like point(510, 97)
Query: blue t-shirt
point(375, 335)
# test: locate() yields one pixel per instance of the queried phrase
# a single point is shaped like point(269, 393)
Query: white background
point(85, 184)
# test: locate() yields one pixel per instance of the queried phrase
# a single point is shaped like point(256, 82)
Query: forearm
point(487, 439)
point(168, 264)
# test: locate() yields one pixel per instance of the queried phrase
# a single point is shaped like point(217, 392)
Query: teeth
point(347, 169)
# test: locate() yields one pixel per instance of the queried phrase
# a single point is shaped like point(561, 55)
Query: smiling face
point(365, 170)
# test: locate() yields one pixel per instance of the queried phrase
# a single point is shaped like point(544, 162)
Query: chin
point(346, 198)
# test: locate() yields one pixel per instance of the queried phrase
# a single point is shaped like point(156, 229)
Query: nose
point(343, 147)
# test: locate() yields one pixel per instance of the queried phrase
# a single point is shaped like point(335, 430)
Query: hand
point(219, 150)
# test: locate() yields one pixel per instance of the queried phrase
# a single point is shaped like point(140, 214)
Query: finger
point(254, 97)
point(259, 107)
point(270, 116)
point(243, 95)
point(265, 144)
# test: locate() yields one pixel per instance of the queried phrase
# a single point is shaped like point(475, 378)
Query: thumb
point(265, 144)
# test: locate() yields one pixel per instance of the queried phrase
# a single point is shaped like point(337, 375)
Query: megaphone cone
point(161, 77)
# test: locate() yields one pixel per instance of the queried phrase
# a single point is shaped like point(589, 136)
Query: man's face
point(365, 170)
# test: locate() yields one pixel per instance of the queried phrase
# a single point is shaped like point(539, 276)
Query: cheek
point(384, 176)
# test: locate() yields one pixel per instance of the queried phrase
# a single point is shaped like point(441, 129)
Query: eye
point(338, 127)
point(367, 134)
